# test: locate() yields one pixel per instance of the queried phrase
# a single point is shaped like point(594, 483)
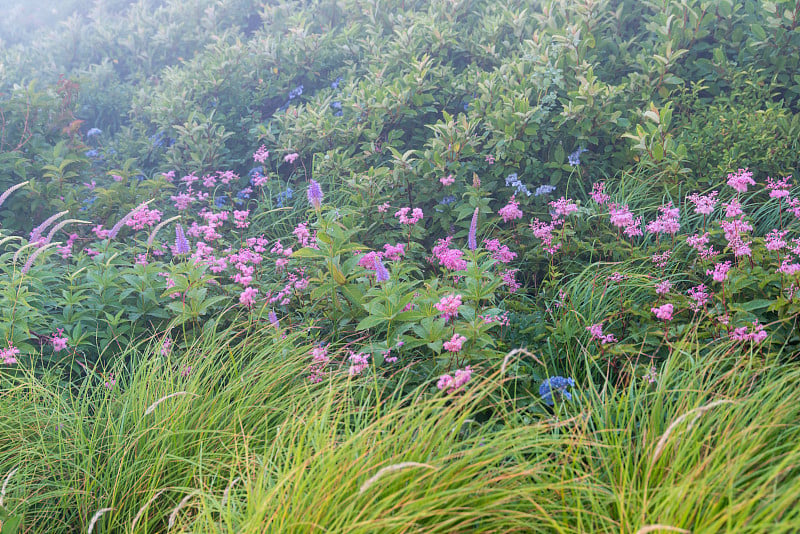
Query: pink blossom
point(447, 180)
point(289, 158)
point(394, 252)
point(7, 355)
point(778, 188)
point(453, 384)
point(598, 194)
point(510, 211)
point(448, 306)
point(59, 341)
point(663, 312)
point(662, 288)
point(596, 330)
point(563, 207)
point(402, 214)
point(240, 218)
point(700, 297)
point(756, 333)
point(358, 362)
point(454, 345)
point(509, 278)
point(383, 208)
point(261, 154)
point(720, 271)
point(704, 204)
point(740, 180)
point(144, 217)
point(189, 179)
point(775, 241)
point(732, 208)
point(182, 200)
point(666, 222)
point(490, 159)
point(660, 260)
point(247, 297)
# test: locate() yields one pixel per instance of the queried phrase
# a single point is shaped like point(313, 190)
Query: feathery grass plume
point(141, 511)
point(10, 238)
point(36, 233)
point(5, 484)
point(150, 409)
point(472, 241)
point(61, 225)
point(117, 227)
point(653, 528)
point(228, 490)
point(95, 518)
point(32, 258)
point(158, 227)
point(174, 515)
point(700, 410)
point(18, 253)
point(390, 469)
point(514, 353)
point(7, 192)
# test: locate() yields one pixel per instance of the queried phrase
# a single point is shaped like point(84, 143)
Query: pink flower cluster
point(544, 231)
point(621, 217)
point(7, 355)
point(666, 222)
point(453, 384)
point(596, 330)
point(319, 360)
point(358, 362)
point(447, 257)
point(448, 306)
point(720, 271)
point(402, 214)
point(144, 217)
point(740, 179)
point(455, 343)
point(511, 211)
point(756, 334)
point(703, 204)
point(261, 154)
point(502, 253)
point(598, 193)
point(700, 297)
point(59, 340)
point(447, 180)
point(663, 312)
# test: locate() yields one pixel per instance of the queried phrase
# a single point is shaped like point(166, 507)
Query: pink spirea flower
point(544, 231)
point(449, 258)
point(778, 188)
point(144, 217)
point(182, 200)
point(732, 208)
point(704, 204)
point(774, 240)
point(740, 179)
point(319, 360)
point(509, 277)
point(510, 211)
point(662, 288)
point(720, 271)
point(596, 330)
point(402, 215)
point(290, 158)
point(447, 180)
point(490, 159)
point(788, 267)
point(59, 340)
point(563, 207)
point(261, 154)
point(663, 312)
point(501, 253)
point(700, 297)
point(240, 218)
point(454, 383)
point(394, 252)
point(756, 334)
point(359, 361)
point(448, 306)
point(598, 194)
point(455, 343)
point(248, 296)
point(660, 260)
point(666, 222)
point(7, 355)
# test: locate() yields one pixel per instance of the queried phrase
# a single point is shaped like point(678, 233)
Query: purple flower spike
point(314, 194)
point(381, 273)
point(181, 243)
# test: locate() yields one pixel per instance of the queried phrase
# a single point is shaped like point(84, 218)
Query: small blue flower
point(93, 131)
point(297, 91)
point(449, 199)
point(220, 201)
point(575, 157)
point(256, 171)
point(545, 189)
point(93, 153)
point(556, 388)
point(512, 180)
point(335, 83)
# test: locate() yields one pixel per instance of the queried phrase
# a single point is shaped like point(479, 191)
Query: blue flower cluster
point(338, 107)
point(335, 83)
point(255, 171)
point(512, 180)
point(297, 91)
point(545, 189)
point(449, 199)
point(575, 157)
point(220, 201)
point(555, 387)
point(93, 132)
point(283, 196)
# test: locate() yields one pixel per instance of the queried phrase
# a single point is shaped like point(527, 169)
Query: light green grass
point(253, 447)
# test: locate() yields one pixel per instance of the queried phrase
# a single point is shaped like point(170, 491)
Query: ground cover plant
point(401, 267)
